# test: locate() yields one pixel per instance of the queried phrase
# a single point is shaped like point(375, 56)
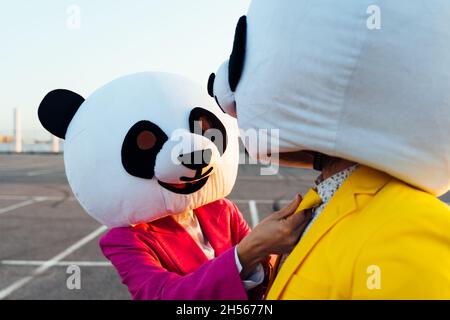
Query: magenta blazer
point(160, 260)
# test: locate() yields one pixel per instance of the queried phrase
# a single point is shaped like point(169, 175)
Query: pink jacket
point(160, 260)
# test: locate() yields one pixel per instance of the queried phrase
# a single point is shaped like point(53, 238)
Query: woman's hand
point(276, 234)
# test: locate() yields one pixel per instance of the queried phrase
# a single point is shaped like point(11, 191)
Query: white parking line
point(18, 205)
point(260, 201)
point(39, 263)
point(273, 178)
point(253, 212)
point(54, 198)
point(50, 263)
point(41, 172)
point(38, 198)
point(13, 197)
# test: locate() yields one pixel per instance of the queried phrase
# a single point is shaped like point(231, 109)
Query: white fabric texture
point(380, 97)
point(92, 149)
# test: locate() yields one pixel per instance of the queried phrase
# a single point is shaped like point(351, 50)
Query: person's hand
point(276, 234)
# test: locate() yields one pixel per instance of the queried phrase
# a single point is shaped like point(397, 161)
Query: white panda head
point(364, 82)
point(143, 146)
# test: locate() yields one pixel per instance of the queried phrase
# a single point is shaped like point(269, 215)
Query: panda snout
point(196, 160)
point(190, 172)
point(199, 163)
point(186, 163)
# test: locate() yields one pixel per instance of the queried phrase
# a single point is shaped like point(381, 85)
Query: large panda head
point(365, 80)
point(143, 146)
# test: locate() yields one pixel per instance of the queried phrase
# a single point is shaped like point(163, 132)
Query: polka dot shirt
point(327, 188)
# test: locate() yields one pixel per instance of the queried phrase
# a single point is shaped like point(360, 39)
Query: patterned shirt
point(327, 188)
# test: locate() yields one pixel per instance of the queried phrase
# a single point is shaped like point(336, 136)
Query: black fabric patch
point(57, 110)
point(318, 161)
point(215, 130)
point(217, 102)
point(187, 188)
point(210, 86)
point(236, 63)
point(321, 161)
point(137, 161)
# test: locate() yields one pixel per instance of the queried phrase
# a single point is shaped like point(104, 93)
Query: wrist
point(249, 255)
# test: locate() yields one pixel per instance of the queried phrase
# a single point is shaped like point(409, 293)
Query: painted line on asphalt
point(274, 177)
point(14, 197)
point(54, 198)
point(18, 205)
point(253, 212)
point(38, 263)
point(39, 198)
point(4, 293)
point(51, 198)
point(260, 201)
point(41, 172)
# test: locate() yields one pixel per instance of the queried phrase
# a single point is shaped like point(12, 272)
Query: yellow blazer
point(378, 238)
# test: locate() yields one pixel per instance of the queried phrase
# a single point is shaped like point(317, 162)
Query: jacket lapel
point(216, 227)
point(363, 180)
point(178, 245)
point(181, 249)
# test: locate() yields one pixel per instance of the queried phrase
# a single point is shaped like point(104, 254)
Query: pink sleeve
point(241, 228)
point(146, 279)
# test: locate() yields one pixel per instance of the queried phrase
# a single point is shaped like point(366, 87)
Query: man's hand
point(276, 234)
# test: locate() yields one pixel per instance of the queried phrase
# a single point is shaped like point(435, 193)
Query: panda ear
point(236, 64)
point(57, 110)
point(210, 87)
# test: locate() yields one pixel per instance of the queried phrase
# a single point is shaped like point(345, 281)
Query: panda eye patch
point(205, 123)
point(140, 147)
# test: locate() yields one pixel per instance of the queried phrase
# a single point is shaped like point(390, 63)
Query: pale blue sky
point(39, 53)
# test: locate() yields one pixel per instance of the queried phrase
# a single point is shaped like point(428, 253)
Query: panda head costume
point(143, 146)
point(335, 85)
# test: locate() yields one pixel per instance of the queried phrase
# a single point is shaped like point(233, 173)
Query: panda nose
point(196, 160)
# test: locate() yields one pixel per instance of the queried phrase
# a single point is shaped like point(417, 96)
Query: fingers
point(297, 224)
point(290, 208)
point(300, 229)
point(296, 220)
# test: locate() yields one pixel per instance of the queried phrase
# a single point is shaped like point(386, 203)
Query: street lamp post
point(17, 131)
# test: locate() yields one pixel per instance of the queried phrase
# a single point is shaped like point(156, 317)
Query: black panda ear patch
point(57, 109)
point(210, 87)
point(236, 63)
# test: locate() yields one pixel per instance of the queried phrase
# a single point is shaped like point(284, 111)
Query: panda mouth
point(185, 188)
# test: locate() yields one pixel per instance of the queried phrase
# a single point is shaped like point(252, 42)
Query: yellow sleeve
point(407, 258)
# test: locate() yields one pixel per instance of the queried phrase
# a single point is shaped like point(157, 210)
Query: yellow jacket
point(378, 238)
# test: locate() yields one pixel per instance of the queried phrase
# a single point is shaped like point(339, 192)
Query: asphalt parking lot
point(44, 231)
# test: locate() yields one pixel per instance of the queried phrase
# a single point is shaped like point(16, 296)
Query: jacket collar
point(179, 246)
point(364, 180)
